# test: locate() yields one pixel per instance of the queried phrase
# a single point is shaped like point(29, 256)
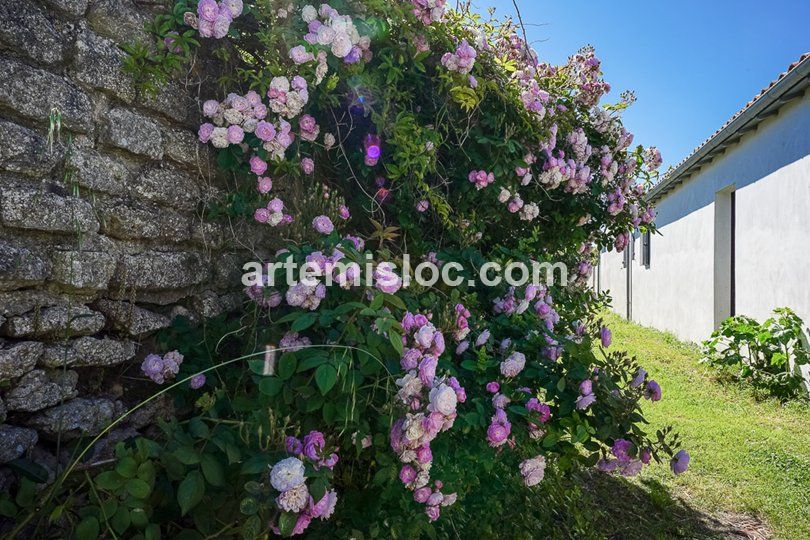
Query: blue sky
point(692, 64)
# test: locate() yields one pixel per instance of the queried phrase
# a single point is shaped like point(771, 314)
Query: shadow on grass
point(646, 509)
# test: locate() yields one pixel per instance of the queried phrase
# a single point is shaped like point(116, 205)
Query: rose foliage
point(357, 132)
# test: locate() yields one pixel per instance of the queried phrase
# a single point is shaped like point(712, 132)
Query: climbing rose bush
point(357, 132)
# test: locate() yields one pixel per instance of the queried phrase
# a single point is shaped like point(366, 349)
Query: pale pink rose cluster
point(266, 297)
point(288, 478)
point(292, 342)
point(386, 279)
point(622, 461)
point(231, 119)
point(461, 61)
point(586, 72)
point(509, 304)
point(162, 368)
point(525, 172)
point(428, 11)
point(534, 98)
point(288, 96)
point(533, 470)
point(481, 179)
point(213, 19)
point(328, 28)
point(430, 402)
point(273, 214)
point(305, 295)
point(462, 323)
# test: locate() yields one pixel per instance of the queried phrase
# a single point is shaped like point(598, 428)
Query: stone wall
point(102, 242)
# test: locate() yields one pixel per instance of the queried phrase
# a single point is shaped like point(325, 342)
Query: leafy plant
point(767, 356)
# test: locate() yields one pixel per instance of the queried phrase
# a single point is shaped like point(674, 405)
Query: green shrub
point(767, 356)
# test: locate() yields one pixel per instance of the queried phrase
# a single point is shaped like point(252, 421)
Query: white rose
point(413, 426)
point(341, 45)
point(219, 137)
point(234, 117)
point(325, 35)
point(287, 474)
point(309, 13)
point(280, 83)
point(443, 400)
point(410, 386)
point(275, 218)
point(249, 125)
point(513, 365)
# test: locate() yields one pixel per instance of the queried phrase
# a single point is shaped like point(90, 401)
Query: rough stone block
point(173, 101)
point(210, 234)
point(26, 28)
point(98, 63)
point(133, 132)
point(19, 358)
point(56, 323)
point(182, 146)
point(210, 304)
point(130, 222)
point(19, 302)
point(33, 92)
point(3, 412)
point(15, 441)
point(167, 185)
point(24, 151)
point(44, 211)
point(21, 267)
point(119, 20)
point(39, 389)
point(88, 351)
point(131, 319)
point(76, 418)
point(97, 171)
point(156, 271)
point(83, 269)
point(72, 8)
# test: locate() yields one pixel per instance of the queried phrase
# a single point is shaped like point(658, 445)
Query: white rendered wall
point(773, 243)
point(770, 170)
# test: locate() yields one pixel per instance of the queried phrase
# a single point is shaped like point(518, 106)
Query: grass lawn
point(750, 467)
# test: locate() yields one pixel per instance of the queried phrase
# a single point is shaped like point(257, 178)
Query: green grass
point(749, 456)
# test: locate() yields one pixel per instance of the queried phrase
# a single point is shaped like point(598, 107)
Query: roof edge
point(791, 85)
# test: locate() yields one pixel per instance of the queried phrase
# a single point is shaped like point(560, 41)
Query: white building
point(734, 223)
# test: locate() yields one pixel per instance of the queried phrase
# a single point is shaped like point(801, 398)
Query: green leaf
point(326, 377)
point(271, 386)
point(138, 517)
point(152, 532)
point(287, 365)
point(127, 467)
point(312, 361)
point(252, 527)
point(187, 455)
point(318, 489)
point(109, 481)
point(395, 301)
point(396, 341)
point(212, 470)
point(304, 321)
point(190, 492)
point(286, 523)
point(249, 506)
point(138, 488)
point(88, 529)
point(121, 520)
